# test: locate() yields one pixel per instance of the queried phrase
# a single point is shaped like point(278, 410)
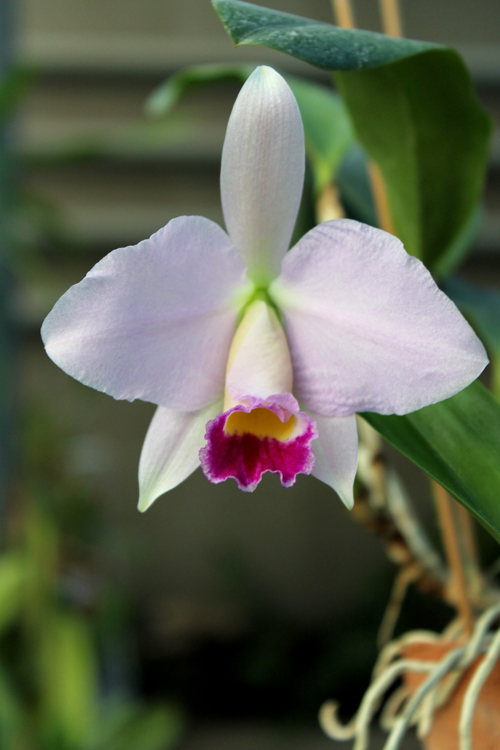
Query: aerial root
point(405, 708)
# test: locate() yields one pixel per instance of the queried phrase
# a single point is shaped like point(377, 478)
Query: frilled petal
point(258, 436)
point(336, 452)
point(262, 172)
point(368, 328)
point(170, 451)
point(259, 360)
point(154, 321)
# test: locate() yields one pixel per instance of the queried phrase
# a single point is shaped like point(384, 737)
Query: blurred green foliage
point(52, 616)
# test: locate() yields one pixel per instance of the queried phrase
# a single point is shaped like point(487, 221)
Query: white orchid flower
point(229, 333)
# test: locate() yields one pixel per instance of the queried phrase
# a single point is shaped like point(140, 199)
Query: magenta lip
point(247, 457)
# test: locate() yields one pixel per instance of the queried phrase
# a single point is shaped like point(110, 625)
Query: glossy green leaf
point(327, 126)
point(457, 251)
point(430, 138)
point(413, 108)
point(320, 44)
point(457, 442)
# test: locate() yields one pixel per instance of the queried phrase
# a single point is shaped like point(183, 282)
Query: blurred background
point(217, 619)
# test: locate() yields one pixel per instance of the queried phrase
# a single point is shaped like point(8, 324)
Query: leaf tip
point(234, 16)
point(220, 8)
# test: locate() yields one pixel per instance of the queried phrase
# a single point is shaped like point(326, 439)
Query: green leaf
point(413, 108)
point(457, 442)
point(15, 722)
point(168, 94)
point(133, 726)
point(327, 126)
point(481, 305)
point(460, 247)
point(320, 44)
point(14, 85)
point(353, 181)
point(154, 729)
point(430, 139)
point(68, 680)
point(12, 587)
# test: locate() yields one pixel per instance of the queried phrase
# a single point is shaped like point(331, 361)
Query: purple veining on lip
point(246, 457)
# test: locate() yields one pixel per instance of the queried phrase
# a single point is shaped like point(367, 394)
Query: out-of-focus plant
point(52, 616)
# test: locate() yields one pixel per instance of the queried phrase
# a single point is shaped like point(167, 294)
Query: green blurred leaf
point(354, 184)
point(461, 246)
point(14, 85)
point(12, 587)
point(413, 108)
point(457, 442)
point(42, 552)
point(481, 304)
point(15, 728)
point(327, 126)
point(143, 140)
point(167, 95)
point(156, 729)
point(135, 727)
point(68, 680)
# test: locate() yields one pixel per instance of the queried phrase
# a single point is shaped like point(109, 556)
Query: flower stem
point(452, 548)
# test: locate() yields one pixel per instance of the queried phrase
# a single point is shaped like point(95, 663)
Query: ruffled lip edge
point(296, 454)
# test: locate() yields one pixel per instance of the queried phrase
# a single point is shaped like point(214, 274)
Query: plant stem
point(328, 205)
point(391, 24)
point(467, 533)
point(344, 16)
point(342, 10)
point(452, 548)
point(391, 17)
point(380, 198)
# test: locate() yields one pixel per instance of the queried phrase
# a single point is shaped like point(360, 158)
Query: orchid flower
point(258, 358)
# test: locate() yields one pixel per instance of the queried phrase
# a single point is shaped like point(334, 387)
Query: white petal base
point(336, 451)
point(170, 451)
